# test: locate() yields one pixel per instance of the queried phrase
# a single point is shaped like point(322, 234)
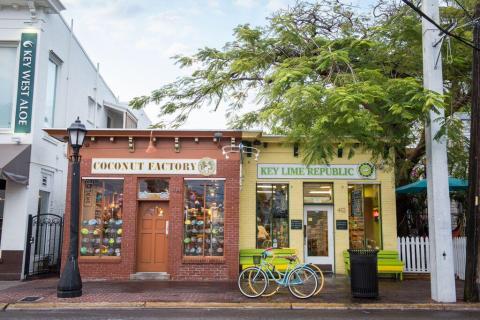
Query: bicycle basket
point(267, 253)
point(256, 259)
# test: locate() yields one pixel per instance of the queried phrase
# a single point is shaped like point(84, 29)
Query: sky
point(134, 40)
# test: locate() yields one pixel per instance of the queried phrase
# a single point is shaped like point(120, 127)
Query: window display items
point(102, 224)
point(365, 225)
point(272, 215)
point(204, 218)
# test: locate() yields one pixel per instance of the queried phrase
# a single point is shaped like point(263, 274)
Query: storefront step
point(150, 276)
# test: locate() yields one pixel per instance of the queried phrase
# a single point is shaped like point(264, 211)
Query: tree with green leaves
point(326, 76)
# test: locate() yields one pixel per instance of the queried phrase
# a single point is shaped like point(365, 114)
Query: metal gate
point(44, 245)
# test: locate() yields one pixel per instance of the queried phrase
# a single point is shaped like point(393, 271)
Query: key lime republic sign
point(361, 171)
point(26, 79)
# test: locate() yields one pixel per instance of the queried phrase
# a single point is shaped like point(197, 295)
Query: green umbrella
point(454, 184)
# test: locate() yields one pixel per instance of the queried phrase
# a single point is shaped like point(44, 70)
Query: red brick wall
point(179, 267)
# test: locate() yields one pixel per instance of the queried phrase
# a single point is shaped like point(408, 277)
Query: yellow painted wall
point(282, 153)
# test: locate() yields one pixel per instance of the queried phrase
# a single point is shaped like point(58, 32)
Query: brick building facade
point(214, 258)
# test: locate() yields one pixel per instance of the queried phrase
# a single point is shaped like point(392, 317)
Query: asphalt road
point(190, 314)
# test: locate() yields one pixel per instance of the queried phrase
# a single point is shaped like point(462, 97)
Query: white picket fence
point(460, 256)
point(414, 252)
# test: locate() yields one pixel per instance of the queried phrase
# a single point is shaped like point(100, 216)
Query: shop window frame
point(140, 178)
point(288, 209)
point(97, 258)
point(205, 258)
point(363, 183)
point(49, 112)
point(16, 46)
point(318, 203)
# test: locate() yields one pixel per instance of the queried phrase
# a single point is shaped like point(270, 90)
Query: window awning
point(15, 162)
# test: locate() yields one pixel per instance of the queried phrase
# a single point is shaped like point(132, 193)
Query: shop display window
point(365, 223)
point(101, 217)
point(153, 189)
point(317, 192)
point(204, 218)
point(272, 215)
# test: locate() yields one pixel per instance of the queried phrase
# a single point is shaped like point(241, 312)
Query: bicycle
point(275, 286)
point(301, 281)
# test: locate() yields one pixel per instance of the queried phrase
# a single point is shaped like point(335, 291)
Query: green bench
point(388, 262)
point(280, 263)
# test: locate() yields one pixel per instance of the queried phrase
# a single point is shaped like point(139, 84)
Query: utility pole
point(442, 277)
point(472, 272)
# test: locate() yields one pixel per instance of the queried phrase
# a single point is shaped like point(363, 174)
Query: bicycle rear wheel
point(319, 273)
point(302, 282)
point(252, 282)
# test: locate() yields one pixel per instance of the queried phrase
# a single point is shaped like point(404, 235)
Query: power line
point(421, 13)
point(463, 8)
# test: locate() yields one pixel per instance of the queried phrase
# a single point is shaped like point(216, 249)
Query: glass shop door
point(318, 234)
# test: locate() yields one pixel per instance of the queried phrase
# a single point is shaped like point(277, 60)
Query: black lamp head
point(76, 134)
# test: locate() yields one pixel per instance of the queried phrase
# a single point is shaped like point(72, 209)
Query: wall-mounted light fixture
point(196, 140)
point(340, 151)
point(242, 149)
point(151, 144)
point(217, 136)
point(295, 150)
point(112, 139)
point(17, 140)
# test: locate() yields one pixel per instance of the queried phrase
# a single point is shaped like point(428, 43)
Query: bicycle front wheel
point(274, 278)
point(252, 282)
point(302, 283)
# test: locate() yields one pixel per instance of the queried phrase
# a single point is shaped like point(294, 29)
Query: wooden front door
point(152, 252)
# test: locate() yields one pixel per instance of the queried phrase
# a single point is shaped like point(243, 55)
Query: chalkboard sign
point(357, 207)
point(296, 224)
point(341, 224)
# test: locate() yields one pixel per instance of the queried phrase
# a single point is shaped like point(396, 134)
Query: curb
point(238, 305)
point(388, 306)
point(218, 305)
point(74, 305)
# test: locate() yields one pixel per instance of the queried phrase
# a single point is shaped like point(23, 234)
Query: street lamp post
point(70, 284)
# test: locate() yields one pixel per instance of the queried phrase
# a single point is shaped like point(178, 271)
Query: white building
point(46, 80)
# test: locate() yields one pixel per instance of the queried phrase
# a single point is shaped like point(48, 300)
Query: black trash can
point(363, 273)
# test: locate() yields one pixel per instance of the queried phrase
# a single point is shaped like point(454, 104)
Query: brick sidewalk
point(336, 290)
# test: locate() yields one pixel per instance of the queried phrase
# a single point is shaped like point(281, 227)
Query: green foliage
point(323, 75)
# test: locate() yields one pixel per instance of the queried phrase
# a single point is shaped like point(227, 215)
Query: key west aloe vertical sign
point(26, 78)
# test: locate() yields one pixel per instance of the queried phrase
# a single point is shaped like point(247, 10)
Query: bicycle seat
point(291, 258)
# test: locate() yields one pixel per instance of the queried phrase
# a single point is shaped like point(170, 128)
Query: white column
point(442, 276)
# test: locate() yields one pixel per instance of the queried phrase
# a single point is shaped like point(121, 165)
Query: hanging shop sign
point(26, 80)
point(204, 166)
point(361, 171)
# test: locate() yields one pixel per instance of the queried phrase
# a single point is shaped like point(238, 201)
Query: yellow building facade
point(319, 210)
